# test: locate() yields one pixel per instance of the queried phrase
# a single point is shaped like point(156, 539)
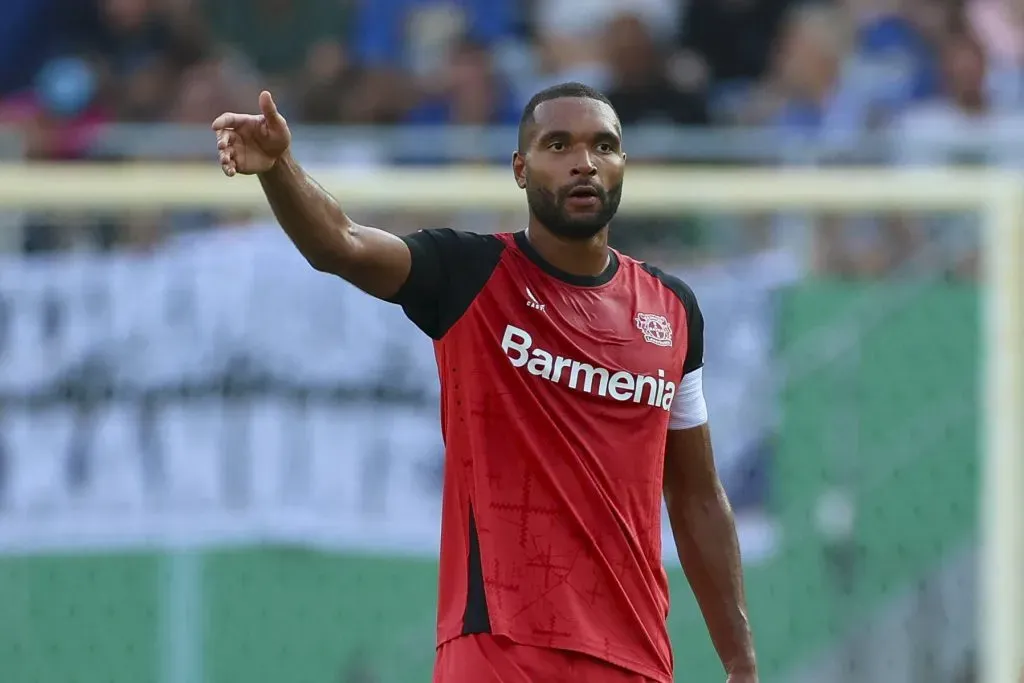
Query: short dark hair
point(555, 92)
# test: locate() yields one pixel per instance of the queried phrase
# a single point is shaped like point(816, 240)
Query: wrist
point(279, 165)
point(745, 666)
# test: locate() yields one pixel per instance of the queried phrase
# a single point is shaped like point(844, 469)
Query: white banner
point(220, 391)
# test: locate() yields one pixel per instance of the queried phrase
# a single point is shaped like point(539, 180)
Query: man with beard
point(571, 400)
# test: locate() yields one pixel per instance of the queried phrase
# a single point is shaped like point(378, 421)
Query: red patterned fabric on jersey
point(555, 399)
point(486, 658)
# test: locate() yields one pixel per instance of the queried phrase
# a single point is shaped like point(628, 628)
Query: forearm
point(310, 217)
point(705, 535)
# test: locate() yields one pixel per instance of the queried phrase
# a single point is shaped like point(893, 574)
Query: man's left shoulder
point(666, 281)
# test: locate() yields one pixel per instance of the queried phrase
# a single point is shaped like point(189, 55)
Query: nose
point(584, 165)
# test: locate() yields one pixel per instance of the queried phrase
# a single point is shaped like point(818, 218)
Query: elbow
point(320, 262)
point(334, 255)
point(325, 261)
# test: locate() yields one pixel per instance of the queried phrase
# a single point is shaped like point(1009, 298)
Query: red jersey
point(556, 391)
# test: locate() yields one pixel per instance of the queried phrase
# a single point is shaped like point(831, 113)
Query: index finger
point(227, 120)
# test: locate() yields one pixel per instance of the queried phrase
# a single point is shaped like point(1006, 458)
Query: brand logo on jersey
point(617, 385)
point(655, 328)
point(532, 301)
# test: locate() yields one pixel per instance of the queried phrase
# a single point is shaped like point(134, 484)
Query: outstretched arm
point(258, 144)
point(705, 535)
point(373, 260)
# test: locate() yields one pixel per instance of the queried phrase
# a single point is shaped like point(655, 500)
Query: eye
point(605, 148)
point(556, 146)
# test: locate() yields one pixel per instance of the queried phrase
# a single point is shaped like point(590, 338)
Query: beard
point(550, 210)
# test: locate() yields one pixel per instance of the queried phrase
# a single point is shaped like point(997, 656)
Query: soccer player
point(571, 400)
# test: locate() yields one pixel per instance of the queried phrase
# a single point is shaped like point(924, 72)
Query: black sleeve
point(449, 268)
point(694, 318)
point(695, 329)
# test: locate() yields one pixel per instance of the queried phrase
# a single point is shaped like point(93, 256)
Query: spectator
point(281, 37)
point(726, 46)
point(142, 49)
point(405, 46)
point(570, 42)
point(640, 87)
point(328, 81)
point(896, 54)
point(335, 91)
point(814, 99)
point(810, 93)
point(417, 34)
point(60, 115)
point(208, 88)
point(962, 127)
point(999, 25)
point(470, 92)
point(33, 32)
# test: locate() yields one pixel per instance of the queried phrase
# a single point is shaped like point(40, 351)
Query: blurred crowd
point(834, 68)
point(930, 70)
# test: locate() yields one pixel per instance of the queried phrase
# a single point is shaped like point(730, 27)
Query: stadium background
point(216, 464)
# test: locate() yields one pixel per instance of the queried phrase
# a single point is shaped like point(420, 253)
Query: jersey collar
point(569, 278)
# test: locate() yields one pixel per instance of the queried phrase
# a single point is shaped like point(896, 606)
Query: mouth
point(583, 197)
point(584, 191)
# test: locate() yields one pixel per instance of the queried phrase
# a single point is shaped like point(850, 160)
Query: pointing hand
point(252, 143)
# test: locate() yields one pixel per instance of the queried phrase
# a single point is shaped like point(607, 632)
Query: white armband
point(688, 407)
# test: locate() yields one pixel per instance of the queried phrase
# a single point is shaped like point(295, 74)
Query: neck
point(587, 257)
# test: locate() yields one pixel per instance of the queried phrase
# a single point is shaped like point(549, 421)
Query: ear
point(519, 169)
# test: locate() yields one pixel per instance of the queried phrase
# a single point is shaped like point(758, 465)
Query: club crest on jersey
point(655, 328)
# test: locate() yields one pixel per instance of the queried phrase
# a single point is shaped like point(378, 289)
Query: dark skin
point(705, 534)
point(572, 142)
point(373, 260)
